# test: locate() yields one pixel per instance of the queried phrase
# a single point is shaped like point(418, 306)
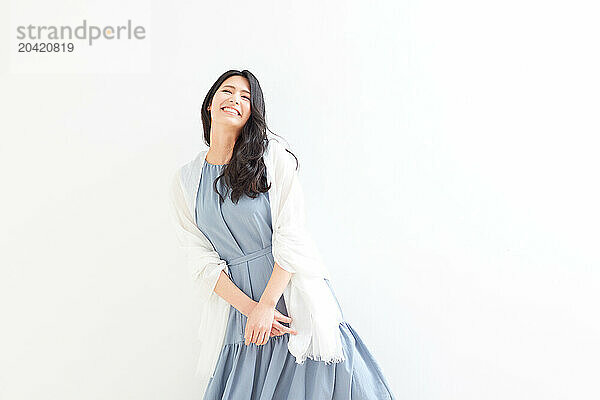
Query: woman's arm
point(233, 295)
point(244, 304)
point(260, 318)
point(277, 283)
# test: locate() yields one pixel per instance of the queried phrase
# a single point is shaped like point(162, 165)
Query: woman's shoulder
point(187, 172)
point(194, 163)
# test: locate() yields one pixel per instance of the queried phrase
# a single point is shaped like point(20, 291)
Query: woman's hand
point(258, 326)
point(279, 329)
point(265, 321)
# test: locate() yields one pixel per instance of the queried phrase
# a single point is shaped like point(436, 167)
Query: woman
point(238, 211)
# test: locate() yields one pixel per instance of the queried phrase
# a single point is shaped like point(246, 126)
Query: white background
point(449, 154)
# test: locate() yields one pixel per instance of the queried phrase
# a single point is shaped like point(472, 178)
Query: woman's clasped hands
point(264, 321)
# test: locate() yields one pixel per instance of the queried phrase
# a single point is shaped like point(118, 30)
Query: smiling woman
point(233, 109)
point(246, 248)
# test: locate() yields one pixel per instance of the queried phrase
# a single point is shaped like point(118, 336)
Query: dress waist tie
point(247, 257)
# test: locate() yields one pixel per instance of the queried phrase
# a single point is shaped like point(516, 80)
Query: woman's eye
point(228, 91)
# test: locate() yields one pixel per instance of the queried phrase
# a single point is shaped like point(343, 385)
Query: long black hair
point(246, 171)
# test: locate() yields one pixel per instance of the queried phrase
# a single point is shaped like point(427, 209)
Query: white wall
point(449, 156)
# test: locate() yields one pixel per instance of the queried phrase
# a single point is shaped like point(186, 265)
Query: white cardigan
point(308, 299)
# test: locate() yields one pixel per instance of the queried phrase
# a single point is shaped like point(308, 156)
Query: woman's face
point(231, 102)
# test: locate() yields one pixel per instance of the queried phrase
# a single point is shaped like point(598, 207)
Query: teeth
point(233, 110)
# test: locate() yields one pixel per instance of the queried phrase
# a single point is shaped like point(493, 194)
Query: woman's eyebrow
point(233, 87)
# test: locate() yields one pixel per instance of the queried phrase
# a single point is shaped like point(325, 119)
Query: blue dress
point(241, 234)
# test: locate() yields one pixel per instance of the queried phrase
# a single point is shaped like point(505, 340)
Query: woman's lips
point(230, 111)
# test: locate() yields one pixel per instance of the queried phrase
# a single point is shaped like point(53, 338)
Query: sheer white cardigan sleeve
point(309, 301)
point(204, 266)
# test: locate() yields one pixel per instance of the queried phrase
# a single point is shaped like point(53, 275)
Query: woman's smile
point(231, 111)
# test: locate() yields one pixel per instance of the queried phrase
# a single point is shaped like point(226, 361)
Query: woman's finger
point(283, 318)
point(275, 330)
point(257, 334)
point(258, 338)
point(251, 336)
point(279, 331)
point(284, 328)
point(261, 338)
point(265, 338)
